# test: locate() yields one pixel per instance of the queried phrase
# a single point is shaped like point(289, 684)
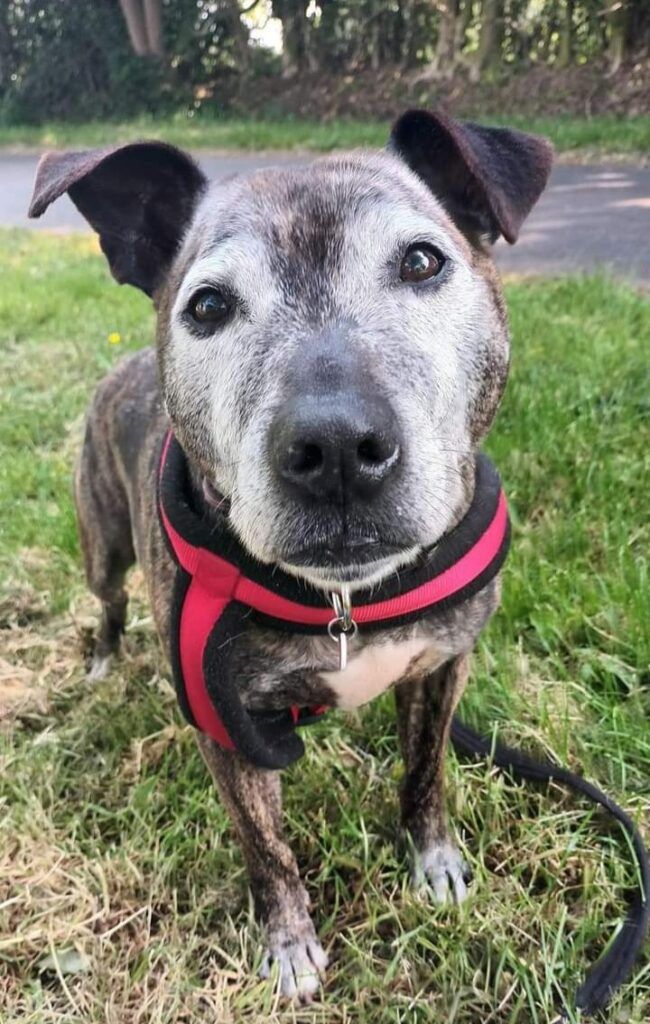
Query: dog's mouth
point(359, 559)
point(360, 563)
point(339, 555)
point(214, 498)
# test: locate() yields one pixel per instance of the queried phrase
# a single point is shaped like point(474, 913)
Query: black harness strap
point(608, 973)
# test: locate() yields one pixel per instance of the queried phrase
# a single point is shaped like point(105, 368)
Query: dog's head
point(332, 339)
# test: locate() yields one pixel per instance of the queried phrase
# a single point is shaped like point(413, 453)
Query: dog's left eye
point(210, 307)
point(420, 263)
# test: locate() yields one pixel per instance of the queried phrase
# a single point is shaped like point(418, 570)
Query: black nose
point(346, 446)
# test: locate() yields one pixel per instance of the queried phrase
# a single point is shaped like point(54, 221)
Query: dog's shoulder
point(126, 414)
point(132, 381)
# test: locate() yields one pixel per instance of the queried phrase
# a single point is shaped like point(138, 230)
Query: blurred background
point(250, 82)
point(112, 59)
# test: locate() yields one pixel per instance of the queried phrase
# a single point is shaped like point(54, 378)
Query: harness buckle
point(342, 627)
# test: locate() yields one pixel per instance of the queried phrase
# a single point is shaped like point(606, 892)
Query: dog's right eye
point(210, 307)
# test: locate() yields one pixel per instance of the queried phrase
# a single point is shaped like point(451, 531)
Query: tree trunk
point(153, 25)
point(6, 61)
point(490, 38)
point(617, 24)
point(309, 54)
point(135, 23)
point(407, 45)
point(462, 24)
point(292, 15)
point(238, 33)
point(638, 25)
point(445, 57)
point(521, 40)
point(370, 41)
point(565, 51)
point(447, 44)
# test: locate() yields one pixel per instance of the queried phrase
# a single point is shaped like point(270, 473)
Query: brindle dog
point(331, 349)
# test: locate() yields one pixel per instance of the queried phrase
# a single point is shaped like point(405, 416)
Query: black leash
point(615, 966)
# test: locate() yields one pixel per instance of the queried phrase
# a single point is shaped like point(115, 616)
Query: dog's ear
point(139, 199)
point(488, 179)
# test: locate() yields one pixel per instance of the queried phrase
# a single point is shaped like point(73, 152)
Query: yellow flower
point(114, 338)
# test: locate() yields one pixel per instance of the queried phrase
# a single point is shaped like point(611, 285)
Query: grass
point(122, 892)
point(596, 136)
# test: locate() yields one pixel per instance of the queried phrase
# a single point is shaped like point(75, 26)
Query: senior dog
point(332, 346)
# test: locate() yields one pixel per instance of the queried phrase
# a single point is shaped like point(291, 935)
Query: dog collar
point(220, 589)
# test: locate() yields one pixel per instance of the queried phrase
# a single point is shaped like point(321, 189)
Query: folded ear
point(139, 199)
point(487, 178)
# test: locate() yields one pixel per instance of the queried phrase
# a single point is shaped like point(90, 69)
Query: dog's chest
point(377, 667)
point(275, 672)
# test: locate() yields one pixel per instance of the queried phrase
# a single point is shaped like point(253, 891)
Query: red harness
point(219, 588)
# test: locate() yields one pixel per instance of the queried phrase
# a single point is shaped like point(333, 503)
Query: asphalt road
point(589, 217)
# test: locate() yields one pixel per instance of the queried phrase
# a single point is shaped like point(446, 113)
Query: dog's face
point(331, 350)
point(332, 340)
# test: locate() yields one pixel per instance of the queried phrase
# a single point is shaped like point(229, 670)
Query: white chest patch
point(376, 668)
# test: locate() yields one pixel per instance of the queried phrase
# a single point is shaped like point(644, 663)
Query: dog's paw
point(441, 871)
point(99, 667)
point(300, 962)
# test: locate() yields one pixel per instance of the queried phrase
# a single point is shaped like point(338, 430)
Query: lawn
point(123, 897)
point(593, 137)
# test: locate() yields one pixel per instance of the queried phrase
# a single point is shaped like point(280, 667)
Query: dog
point(332, 346)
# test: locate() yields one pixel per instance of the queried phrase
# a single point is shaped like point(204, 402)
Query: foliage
point(112, 843)
point(77, 58)
point(72, 58)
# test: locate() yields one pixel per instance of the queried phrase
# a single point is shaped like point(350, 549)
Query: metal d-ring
point(342, 627)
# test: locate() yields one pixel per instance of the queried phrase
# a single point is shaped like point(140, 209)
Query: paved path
point(589, 217)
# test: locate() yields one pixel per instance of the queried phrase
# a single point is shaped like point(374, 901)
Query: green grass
point(112, 842)
point(594, 136)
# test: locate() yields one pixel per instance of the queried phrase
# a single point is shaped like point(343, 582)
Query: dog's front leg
point(253, 798)
point(425, 708)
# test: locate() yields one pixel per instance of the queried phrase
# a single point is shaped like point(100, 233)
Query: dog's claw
point(301, 965)
point(441, 871)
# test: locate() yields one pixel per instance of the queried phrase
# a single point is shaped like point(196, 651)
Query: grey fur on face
point(312, 256)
